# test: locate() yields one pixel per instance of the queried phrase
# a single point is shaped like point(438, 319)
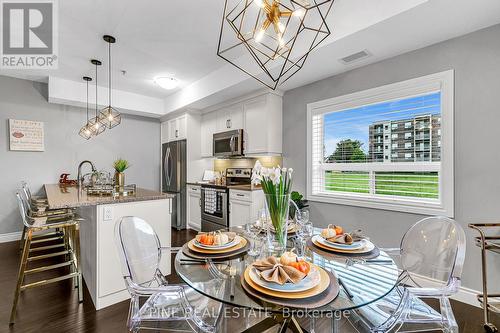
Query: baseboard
point(464, 295)
point(10, 237)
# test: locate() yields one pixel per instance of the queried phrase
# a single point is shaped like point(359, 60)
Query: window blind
point(390, 149)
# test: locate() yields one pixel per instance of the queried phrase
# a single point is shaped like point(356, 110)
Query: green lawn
point(410, 184)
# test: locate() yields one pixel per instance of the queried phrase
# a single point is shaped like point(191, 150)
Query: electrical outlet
point(107, 213)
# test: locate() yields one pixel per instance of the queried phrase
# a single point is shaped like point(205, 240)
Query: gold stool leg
point(21, 242)
point(20, 278)
point(76, 250)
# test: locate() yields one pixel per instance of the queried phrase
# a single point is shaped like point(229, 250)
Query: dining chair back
point(432, 255)
point(434, 248)
point(154, 303)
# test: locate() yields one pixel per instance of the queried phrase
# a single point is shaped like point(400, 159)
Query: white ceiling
point(156, 38)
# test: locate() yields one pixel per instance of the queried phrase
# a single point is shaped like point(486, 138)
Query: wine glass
point(252, 233)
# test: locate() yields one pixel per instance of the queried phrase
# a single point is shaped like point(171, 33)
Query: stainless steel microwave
point(228, 143)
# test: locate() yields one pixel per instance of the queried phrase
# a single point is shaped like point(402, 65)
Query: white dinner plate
point(235, 241)
point(368, 246)
point(310, 281)
point(354, 246)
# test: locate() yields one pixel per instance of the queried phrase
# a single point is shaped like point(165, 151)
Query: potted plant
point(120, 166)
point(299, 201)
point(276, 184)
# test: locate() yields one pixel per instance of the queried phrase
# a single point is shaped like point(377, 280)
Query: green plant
point(121, 165)
point(299, 201)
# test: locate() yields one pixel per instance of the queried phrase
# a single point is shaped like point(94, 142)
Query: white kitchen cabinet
point(194, 207)
point(208, 128)
point(244, 206)
point(164, 132)
point(230, 118)
point(263, 125)
point(174, 129)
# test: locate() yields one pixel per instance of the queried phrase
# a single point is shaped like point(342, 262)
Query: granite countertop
point(64, 196)
point(233, 187)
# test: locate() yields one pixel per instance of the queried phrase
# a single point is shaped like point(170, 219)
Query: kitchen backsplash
point(267, 161)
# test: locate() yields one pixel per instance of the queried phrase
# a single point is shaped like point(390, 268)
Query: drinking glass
point(252, 233)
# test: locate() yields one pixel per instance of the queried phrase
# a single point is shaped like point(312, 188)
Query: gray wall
point(137, 139)
point(476, 61)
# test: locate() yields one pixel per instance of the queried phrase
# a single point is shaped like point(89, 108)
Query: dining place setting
point(277, 263)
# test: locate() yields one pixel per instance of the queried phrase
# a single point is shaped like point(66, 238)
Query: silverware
point(193, 263)
point(378, 261)
point(348, 293)
point(232, 273)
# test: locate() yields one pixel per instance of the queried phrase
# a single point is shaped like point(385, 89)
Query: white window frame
point(443, 82)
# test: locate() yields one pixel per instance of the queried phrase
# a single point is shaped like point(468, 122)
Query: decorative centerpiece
point(276, 184)
point(120, 166)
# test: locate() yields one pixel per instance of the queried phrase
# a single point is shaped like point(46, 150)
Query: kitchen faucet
point(80, 179)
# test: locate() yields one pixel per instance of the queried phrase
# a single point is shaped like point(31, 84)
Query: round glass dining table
point(363, 281)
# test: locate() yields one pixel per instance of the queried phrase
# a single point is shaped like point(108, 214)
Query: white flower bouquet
point(276, 184)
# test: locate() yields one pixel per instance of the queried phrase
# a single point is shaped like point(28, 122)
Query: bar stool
point(38, 207)
point(68, 224)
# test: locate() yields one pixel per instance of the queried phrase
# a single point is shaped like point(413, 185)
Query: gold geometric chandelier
point(270, 40)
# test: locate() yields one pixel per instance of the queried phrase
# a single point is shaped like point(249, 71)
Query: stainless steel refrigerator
point(174, 179)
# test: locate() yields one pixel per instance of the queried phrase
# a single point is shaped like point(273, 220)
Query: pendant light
point(270, 40)
point(86, 130)
point(109, 116)
point(96, 125)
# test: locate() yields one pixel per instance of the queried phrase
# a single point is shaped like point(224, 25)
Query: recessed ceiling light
point(166, 82)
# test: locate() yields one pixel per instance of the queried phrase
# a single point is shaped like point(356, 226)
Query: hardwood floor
point(54, 308)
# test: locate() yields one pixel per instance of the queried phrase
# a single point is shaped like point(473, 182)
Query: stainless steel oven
point(214, 208)
point(228, 143)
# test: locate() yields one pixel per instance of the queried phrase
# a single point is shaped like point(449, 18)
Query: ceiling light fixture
point(167, 82)
point(95, 123)
point(272, 55)
point(109, 116)
point(86, 130)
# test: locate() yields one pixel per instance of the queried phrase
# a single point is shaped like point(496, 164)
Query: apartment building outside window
point(349, 162)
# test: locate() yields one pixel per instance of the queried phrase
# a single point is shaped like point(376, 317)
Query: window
point(394, 136)
point(394, 126)
point(343, 163)
point(408, 124)
point(408, 135)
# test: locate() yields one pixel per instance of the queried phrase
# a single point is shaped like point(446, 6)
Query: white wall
point(476, 61)
point(137, 139)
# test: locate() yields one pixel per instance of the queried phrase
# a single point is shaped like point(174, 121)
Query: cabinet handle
point(230, 123)
point(199, 202)
point(239, 194)
point(176, 133)
point(227, 123)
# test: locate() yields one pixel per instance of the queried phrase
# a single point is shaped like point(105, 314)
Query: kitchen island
point(100, 263)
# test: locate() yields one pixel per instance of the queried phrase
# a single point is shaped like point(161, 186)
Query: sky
point(354, 123)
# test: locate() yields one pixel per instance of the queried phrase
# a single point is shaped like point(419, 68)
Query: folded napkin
point(347, 238)
point(272, 271)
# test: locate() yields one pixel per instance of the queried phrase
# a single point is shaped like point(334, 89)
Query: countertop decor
point(62, 196)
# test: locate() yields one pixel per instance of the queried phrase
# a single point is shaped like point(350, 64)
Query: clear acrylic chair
point(155, 304)
point(431, 256)
point(65, 244)
point(39, 208)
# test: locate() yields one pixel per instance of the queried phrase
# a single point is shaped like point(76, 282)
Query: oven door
point(228, 143)
point(214, 208)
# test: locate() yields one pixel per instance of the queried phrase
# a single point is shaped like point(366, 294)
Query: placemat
point(228, 255)
point(319, 300)
point(338, 255)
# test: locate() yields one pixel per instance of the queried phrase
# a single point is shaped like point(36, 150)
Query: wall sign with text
point(26, 135)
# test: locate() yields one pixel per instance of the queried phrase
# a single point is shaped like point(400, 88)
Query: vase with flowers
point(276, 183)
